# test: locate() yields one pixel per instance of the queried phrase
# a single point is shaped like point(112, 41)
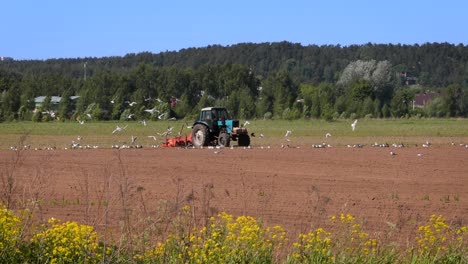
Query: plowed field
point(297, 188)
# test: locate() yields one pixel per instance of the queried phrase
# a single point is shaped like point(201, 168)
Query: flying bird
point(153, 137)
point(81, 122)
point(161, 115)
point(246, 123)
point(168, 132)
point(118, 129)
point(288, 132)
point(353, 125)
point(327, 135)
point(143, 122)
point(51, 113)
point(152, 111)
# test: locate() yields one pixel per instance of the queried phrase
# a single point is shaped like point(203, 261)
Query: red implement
point(180, 141)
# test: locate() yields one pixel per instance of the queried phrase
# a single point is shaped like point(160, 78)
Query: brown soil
point(297, 188)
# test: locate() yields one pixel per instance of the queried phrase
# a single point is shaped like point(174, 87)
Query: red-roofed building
point(421, 99)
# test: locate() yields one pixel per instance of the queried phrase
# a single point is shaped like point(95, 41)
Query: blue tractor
point(214, 126)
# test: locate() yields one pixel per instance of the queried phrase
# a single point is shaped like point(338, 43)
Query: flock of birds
point(152, 111)
point(77, 143)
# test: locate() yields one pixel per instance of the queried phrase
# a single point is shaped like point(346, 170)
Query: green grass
point(309, 131)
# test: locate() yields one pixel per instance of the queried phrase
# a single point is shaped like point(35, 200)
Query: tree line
point(268, 80)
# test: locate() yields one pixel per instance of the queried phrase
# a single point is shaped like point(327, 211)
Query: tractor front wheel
point(243, 140)
point(224, 139)
point(200, 136)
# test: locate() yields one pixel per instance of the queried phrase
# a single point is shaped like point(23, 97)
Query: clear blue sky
point(43, 29)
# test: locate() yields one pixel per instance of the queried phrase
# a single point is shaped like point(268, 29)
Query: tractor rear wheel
point(224, 139)
point(243, 140)
point(200, 136)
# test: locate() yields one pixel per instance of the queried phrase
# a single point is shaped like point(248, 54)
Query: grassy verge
point(309, 131)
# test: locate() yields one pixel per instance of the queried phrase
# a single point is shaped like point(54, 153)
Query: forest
point(280, 80)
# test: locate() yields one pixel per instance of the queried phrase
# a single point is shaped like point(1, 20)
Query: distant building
point(408, 79)
point(421, 99)
point(54, 101)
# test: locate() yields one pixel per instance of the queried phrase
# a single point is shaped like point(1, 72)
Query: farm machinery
point(214, 127)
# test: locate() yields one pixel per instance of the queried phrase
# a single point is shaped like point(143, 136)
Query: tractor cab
point(216, 119)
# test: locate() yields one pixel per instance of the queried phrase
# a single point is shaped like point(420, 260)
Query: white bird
point(172, 119)
point(300, 100)
point(147, 99)
point(159, 100)
point(152, 111)
point(118, 129)
point(81, 122)
point(327, 135)
point(353, 125)
point(75, 144)
point(78, 138)
point(143, 122)
point(168, 132)
point(153, 137)
point(246, 123)
point(51, 113)
point(261, 135)
point(89, 116)
point(131, 103)
point(130, 116)
point(392, 153)
point(161, 115)
point(133, 139)
point(288, 132)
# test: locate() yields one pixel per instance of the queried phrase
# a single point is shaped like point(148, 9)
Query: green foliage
point(10, 238)
point(249, 79)
point(228, 239)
